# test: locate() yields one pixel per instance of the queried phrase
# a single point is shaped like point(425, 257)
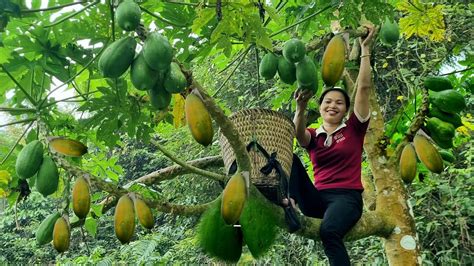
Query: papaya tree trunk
point(402, 246)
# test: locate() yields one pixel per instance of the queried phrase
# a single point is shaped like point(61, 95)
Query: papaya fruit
point(437, 84)
point(294, 50)
point(258, 225)
point(47, 178)
point(306, 72)
point(218, 239)
point(44, 234)
point(408, 163)
point(447, 155)
point(81, 198)
point(128, 15)
point(428, 154)
point(198, 120)
point(61, 235)
point(441, 132)
point(159, 97)
point(68, 147)
point(175, 81)
point(286, 71)
point(144, 214)
point(449, 101)
point(157, 52)
point(142, 76)
point(233, 198)
point(389, 32)
point(29, 159)
point(453, 119)
point(313, 87)
point(333, 61)
point(117, 57)
point(124, 219)
point(268, 66)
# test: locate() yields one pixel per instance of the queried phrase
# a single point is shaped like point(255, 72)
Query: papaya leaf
point(91, 226)
point(422, 20)
point(5, 54)
point(204, 16)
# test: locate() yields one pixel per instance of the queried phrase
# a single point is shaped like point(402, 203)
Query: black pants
point(340, 210)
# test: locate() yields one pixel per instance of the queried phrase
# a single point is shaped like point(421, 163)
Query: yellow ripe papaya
point(67, 147)
point(144, 214)
point(81, 198)
point(124, 219)
point(408, 163)
point(198, 119)
point(233, 198)
point(428, 154)
point(61, 235)
point(333, 60)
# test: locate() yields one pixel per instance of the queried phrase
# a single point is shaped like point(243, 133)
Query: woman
point(335, 149)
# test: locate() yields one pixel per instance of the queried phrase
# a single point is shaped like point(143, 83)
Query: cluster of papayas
point(124, 217)
point(198, 119)
point(389, 32)
point(444, 112)
point(152, 69)
point(294, 65)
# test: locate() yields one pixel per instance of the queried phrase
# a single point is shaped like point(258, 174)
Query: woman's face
point(333, 107)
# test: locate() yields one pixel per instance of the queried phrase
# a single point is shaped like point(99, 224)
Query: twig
point(69, 98)
point(71, 15)
point(84, 240)
point(232, 72)
point(241, 53)
point(19, 86)
point(16, 143)
point(22, 110)
point(162, 19)
point(186, 165)
point(50, 8)
point(457, 71)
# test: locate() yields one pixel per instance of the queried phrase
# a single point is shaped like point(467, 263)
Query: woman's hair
point(339, 89)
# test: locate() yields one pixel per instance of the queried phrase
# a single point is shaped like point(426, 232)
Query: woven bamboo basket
point(274, 132)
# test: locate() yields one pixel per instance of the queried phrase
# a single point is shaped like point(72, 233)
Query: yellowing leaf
point(400, 97)
point(5, 177)
point(385, 65)
point(179, 118)
point(423, 20)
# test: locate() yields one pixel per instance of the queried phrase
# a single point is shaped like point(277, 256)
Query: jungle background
point(42, 47)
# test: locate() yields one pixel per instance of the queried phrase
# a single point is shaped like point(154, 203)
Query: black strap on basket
point(272, 163)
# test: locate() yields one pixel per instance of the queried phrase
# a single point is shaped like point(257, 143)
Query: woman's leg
point(344, 209)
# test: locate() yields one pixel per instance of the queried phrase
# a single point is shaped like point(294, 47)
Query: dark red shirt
point(337, 158)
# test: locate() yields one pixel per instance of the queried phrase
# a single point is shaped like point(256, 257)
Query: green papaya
point(453, 119)
point(128, 15)
point(258, 225)
point(306, 72)
point(142, 76)
point(441, 132)
point(449, 101)
point(286, 71)
point(217, 238)
point(294, 50)
point(389, 32)
point(157, 52)
point(313, 87)
point(44, 234)
point(29, 159)
point(447, 156)
point(47, 178)
point(437, 83)
point(159, 97)
point(175, 81)
point(268, 66)
point(117, 57)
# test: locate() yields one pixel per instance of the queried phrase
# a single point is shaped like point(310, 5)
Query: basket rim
point(277, 113)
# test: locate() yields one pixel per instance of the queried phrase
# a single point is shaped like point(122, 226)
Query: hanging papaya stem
point(187, 166)
point(71, 15)
point(16, 143)
point(233, 71)
point(18, 122)
point(25, 11)
point(73, 77)
point(32, 101)
point(162, 19)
